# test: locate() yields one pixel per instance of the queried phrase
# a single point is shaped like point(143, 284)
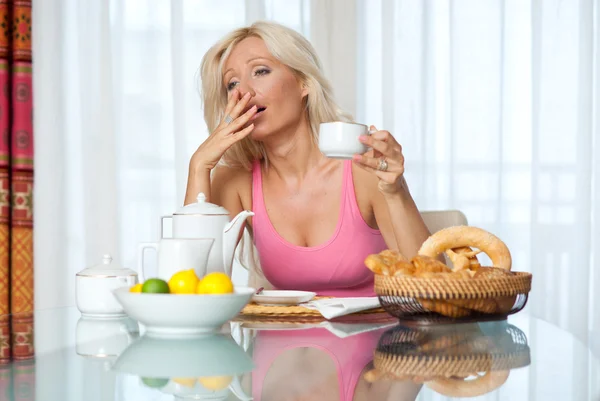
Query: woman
point(316, 219)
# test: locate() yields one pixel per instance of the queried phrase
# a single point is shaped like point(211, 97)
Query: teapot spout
point(231, 237)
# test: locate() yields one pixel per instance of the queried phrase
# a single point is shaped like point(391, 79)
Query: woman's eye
point(231, 85)
point(262, 71)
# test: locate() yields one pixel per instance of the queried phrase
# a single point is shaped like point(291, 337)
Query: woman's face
point(274, 88)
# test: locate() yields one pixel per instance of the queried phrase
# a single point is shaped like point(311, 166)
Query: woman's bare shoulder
point(228, 174)
point(231, 187)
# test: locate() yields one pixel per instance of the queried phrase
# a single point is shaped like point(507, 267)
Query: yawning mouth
point(259, 112)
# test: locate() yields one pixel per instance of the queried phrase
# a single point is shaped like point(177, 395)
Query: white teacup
point(176, 254)
point(339, 140)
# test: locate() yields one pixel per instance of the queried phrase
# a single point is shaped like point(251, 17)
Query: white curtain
point(493, 101)
point(118, 114)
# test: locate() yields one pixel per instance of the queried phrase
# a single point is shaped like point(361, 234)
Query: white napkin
point(335, 307)
point(343, 330)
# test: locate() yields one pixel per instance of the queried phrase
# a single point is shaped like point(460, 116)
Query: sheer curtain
point(493, 102)
point(120, 115)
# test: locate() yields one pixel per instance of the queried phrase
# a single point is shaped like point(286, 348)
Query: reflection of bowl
point(104, 338)
point(450, 358)
point(157, 360)
point(213, 355)
point(170, 315)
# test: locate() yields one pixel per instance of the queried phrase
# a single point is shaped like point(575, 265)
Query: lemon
point(184, 381)
point(136, 288)
point(215, 283)
point(183, 282)
point(215, 383)
point(155, 286)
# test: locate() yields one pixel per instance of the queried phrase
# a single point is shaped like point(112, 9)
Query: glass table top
point(522, 358)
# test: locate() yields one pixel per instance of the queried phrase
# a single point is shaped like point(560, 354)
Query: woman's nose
point(245, 88)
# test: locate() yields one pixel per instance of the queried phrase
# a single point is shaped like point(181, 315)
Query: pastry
point(463, 258)
point(444, 308)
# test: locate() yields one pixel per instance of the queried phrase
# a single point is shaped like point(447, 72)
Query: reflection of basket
point(443, 356)
point(439, 300)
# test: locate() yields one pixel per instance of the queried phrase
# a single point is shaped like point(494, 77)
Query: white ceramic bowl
point(339, 140)
point(178, 315)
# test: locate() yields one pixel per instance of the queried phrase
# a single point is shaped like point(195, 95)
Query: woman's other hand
point(384, 159)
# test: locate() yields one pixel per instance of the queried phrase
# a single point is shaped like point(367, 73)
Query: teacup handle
point(141, 248)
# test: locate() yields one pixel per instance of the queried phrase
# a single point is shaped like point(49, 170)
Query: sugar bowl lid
point(108, 268)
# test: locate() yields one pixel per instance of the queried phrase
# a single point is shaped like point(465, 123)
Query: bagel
point(467, 236)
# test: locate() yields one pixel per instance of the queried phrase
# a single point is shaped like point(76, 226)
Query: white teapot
point(207, 220)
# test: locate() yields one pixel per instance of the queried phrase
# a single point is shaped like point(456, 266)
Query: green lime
point(155, 286)
point(155, 382)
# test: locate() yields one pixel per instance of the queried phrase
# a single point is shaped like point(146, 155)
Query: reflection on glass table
point(456, 360)
point(523, 358)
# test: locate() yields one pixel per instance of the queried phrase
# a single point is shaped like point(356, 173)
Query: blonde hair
point(291, 49)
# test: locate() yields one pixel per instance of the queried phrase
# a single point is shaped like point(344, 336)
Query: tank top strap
point(352, 208)
point(351, 203)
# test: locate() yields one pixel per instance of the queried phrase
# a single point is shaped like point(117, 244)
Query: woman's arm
point(225, 187)
point(397, 215)
point(198, 181)
point(400, 221)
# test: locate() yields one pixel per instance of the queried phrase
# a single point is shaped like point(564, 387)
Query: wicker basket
point(443, 356)
point(433, 300)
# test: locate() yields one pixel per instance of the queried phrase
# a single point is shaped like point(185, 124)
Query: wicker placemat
point(292, 310)
point(293, 320)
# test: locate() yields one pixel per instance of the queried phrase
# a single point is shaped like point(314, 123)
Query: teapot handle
point(162, 226)
point(141, 247)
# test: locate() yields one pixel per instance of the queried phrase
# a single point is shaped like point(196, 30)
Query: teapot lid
point(202, 207)
point(107, 268)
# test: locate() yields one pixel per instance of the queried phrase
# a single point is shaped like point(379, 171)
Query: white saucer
point(283, 297)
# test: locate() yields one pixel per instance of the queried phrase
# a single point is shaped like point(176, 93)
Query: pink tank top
point(350, 355)
point(334, 268)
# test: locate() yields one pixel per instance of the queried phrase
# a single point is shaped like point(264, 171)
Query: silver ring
point(228, 119)
point(383, 166)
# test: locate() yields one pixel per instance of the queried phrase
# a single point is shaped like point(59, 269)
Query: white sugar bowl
point(95, 285)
